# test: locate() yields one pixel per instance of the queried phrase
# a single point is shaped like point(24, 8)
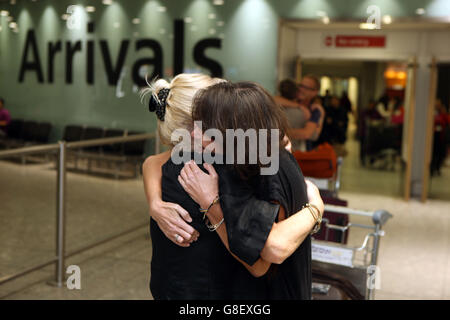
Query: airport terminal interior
point(76, 132)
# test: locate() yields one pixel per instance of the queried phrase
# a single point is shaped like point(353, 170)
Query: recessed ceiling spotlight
point(13, 25)
point(136, 21)
point(387, 19)
point(90, 9)
point(4, 13)
point(13, 2)
point(65, 16)
point(107, 2)
point(211, 16)
point(218, 2)
point(420, 11)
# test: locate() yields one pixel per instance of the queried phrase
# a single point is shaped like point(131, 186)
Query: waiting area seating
point(112, 159)
point(106, 159)
point(23, 133)
point(26, 132)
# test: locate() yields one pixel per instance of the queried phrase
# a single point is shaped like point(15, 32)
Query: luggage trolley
point(353, 270)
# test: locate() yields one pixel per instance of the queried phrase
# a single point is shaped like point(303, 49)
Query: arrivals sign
point(345, 41)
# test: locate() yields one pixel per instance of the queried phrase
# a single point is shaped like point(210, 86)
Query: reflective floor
point(414, 256)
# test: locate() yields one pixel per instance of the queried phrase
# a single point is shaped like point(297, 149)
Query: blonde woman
point(188, 266)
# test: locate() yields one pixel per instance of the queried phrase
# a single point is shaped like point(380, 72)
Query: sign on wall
point(355, 41)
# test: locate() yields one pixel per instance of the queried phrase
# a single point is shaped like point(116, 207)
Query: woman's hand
point(314, 196)
point(203, 188)
point(171, 219)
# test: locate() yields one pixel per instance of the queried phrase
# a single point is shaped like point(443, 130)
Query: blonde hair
point(178, 113)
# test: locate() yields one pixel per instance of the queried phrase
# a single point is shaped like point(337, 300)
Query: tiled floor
point(414, 256)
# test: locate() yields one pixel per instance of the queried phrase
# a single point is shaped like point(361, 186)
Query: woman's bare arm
point(171, 217)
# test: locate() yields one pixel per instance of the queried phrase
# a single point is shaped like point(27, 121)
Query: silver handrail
point(62, 147)
point(77, 144)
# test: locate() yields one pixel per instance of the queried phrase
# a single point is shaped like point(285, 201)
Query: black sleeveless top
point(206, 270)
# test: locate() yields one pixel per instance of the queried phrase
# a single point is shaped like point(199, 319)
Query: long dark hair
point(241, 105)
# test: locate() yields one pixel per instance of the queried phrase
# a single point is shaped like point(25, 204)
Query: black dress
point(206, 270)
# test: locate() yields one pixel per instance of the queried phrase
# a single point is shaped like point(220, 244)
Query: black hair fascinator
point(158, 105)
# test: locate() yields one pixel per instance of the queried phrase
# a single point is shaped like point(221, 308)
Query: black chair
point(43, 132)
point(15, 129)
point(92, 133)
point(29, 131)
point(73, 133)
point(115, 148)
point(134, 148)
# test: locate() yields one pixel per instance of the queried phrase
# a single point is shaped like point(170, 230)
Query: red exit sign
point(341, 41)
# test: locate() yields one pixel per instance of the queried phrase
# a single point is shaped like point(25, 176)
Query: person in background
point(345, 103)
point(5, 118)
point(308, 90)
point(326, 98)
point(386, 106)
point(399, 112)
point(296, 113)
point(439, 146)
point(370, 113)
point(335, 126)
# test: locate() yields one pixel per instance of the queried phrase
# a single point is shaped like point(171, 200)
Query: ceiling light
point(13, 25)
point(420, 11)
point(218, 2)
point(220, 23)
point(387, 19)
point(65, 16)
point(90, 9)
point(13, 2)
point(367, 26)
point(107, 2)
point(211, 16)
point(4, 13)
point(136, 21)
point(326, 20)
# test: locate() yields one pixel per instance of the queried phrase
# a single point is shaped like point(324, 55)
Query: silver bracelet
point(213, 227)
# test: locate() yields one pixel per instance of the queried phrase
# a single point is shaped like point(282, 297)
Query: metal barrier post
point(60, 224)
